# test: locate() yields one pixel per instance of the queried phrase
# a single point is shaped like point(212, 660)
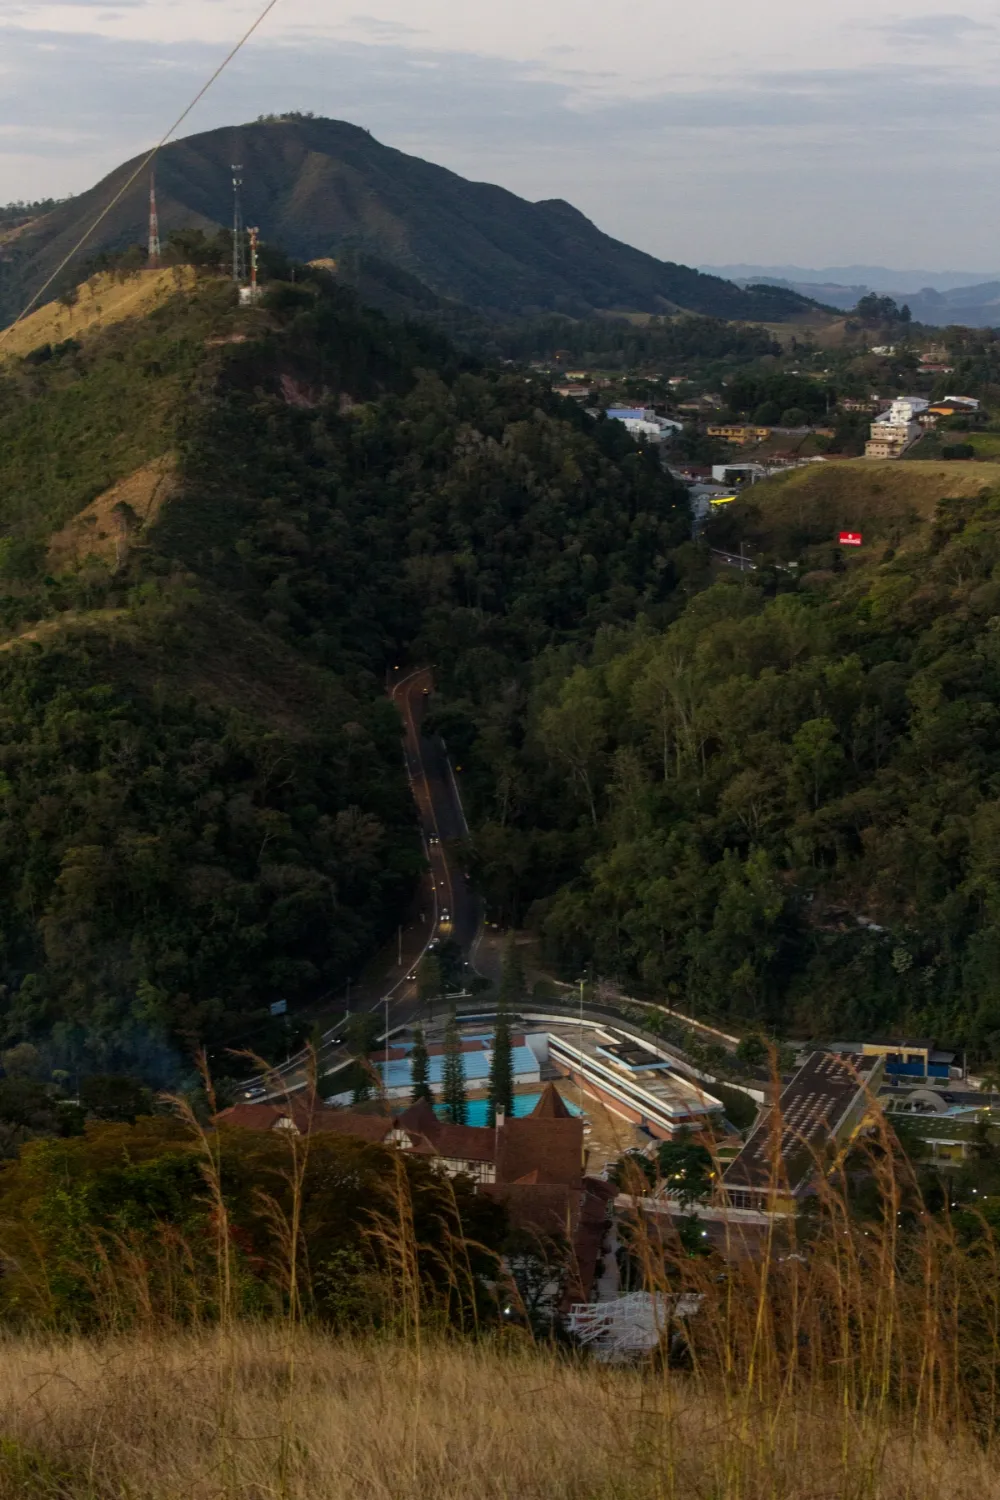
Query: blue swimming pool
point(523, 1105)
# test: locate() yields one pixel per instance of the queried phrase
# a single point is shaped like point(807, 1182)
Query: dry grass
point(852, 1355)
point(247, 1414)
point(103, 529)
point(103, 300)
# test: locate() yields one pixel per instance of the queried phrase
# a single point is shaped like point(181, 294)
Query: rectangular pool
point(476, 1109)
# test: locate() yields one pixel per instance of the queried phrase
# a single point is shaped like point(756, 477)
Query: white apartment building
point(894, 431)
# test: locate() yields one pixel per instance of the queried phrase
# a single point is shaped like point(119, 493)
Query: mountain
point(323, 188)
point(956, 298)
point(881, 279)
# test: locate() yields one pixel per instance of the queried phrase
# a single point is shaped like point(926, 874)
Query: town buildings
point(535, 1166)
point(739, 434)
point(640, 421)
point(823, 1106)
point(896, 429)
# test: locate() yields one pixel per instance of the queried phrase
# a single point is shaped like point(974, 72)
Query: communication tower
point(239, 233)
point(154, 226)
point(254, 238)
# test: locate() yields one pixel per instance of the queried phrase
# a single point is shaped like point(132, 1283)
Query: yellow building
point(739, 434)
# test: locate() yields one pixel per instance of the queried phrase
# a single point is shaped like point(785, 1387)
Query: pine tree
point(430, 982)
point(420, 1067)
point(453, 1090)
point(512, 980)
point(501, 1095)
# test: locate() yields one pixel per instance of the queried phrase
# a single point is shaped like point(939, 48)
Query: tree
point(363, 1031)
point(111, 1096)
point(420, 1067)
point(430, 984)
point(513, 985)
point(501, 1086)
point(22, 1061)
point(752, 1051)
point(539, 1267)
point(453, 1083)
point(687, 1169)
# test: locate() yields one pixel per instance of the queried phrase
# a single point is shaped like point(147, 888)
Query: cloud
point(920, 30)
point(768, 165)
point(377, 27)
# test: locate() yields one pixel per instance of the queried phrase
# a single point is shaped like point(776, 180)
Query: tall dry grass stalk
point(852, 1352)
point(866, 1313)
point(375, 1420)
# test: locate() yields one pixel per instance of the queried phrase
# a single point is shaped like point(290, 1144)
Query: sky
point(708, 133)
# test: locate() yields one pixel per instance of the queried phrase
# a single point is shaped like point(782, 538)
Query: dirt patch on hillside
point(116, 520)
point(45, 629)
point(100, 302)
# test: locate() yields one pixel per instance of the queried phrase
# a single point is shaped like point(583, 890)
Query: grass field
point(886, 500)
point(102, 302)
point(255, 1414)
point(986, 445)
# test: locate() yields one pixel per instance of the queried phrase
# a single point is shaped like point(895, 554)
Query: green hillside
point(217, 530)
point(326, 188)
point(783, 809)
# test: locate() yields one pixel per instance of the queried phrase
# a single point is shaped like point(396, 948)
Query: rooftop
point(811, 1108)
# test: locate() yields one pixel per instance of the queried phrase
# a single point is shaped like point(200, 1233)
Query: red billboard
point(850, 538)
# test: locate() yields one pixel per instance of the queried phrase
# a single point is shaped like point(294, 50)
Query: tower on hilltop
point(239, 233)
point(154, 226)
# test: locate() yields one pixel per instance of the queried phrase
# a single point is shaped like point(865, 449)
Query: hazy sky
point(715, 132)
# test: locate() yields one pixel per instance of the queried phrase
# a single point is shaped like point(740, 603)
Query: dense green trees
point(120, 1224)
point(203, 807)
point(780, 808)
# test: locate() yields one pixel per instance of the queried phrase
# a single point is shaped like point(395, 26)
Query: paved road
point(445, 906)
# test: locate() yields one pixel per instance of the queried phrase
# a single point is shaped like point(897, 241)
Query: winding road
point(444, 908)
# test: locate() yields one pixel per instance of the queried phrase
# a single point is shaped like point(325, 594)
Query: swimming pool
point(476, 1109)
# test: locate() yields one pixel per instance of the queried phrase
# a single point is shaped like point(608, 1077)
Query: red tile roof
point(553, 1147)
point(467, 1142)
point(551, 1105)
point(308, 1118)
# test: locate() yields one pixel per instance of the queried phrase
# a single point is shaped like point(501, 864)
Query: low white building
point(641, 422)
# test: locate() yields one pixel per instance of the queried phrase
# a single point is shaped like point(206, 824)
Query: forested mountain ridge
point(784, 808)
point(202, 800)
point(327, 188)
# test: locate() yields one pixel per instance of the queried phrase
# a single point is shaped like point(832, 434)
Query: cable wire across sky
point(143, 166)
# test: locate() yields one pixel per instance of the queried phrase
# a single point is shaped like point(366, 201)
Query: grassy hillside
point(377, 1421)
point(105, 299)
point(326, 188)
point(887, 501)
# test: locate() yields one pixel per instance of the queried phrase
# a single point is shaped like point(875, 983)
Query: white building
point(641, 422)
point(896, 428)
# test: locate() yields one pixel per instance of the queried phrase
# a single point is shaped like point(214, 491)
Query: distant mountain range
point(881, 279)
point(323, 187)
point(934, 297)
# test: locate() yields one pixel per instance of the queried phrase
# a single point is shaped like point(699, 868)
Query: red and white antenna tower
point(154, 226)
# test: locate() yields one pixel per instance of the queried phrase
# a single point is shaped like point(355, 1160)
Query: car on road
point(434, 839)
